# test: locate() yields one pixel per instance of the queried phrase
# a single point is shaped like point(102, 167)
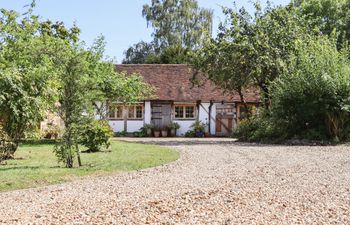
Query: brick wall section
point(173, 82)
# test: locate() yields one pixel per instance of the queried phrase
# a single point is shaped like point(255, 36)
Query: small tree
point(26, 75)
point(251, 50)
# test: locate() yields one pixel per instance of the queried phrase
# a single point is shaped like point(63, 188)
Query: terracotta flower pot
point(156, 133)
point(173, 132)
point(149, 132)
point(164, 133)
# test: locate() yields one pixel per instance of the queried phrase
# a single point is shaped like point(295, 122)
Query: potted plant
point(165, 132)
point(199, 128)
point(156, 132)
point(206, 130)
point(148, 128)
point(173, 127)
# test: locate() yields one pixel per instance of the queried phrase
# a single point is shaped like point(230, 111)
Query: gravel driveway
point(215, 181)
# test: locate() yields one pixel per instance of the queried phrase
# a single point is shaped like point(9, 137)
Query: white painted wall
point(184, 126)
point(134, 125)
point(203, 116)
point(148, 112)
point(117, 125)
point(213, 120)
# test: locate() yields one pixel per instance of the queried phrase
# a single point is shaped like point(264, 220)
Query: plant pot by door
point(156, 133)
point(149, 132)
point(199, 134)
point(164, 133)
point(173, 132)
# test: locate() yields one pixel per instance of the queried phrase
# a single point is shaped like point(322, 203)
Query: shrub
point(148, 126)
point(174, 126)
point(190, 133)
point(198, 126)
point(141, 133)
point(96, 134)
point(313, 98)
point(120, 134)
point(260, 128)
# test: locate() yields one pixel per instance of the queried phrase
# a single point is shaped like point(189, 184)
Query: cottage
point(178, 100)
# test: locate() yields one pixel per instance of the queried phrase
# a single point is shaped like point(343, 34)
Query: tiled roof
point(173, 82)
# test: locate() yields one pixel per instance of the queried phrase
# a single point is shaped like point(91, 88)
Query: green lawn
point(36, 165)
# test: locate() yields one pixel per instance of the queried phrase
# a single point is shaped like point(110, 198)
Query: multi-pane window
point(135, 112)
point(111, 112)
point(184, 111)
point(115, 111)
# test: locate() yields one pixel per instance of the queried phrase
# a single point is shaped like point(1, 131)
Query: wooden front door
point(224, 119)
point(161, 114)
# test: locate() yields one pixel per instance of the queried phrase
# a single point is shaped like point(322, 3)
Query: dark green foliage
point(174, 125)
point(198, 126)
point(144, 53)
point(190, 133)
point(120, 134)
point(141, 133)
point(95, 134)
point(310, 101)
point(261, 129)
point(251, 50)
point(314, 97)
point(141, 53)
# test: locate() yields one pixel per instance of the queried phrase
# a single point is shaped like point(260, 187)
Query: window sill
point(184, 119)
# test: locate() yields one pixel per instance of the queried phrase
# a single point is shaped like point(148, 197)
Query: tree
point(179, 27)
point(45, 63)
point(26, 75)
point(251, 50)
point(178, 22)
point(88, 80)
point(327, 16)
point(141, 53)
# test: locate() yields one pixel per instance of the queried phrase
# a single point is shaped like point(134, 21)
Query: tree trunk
point(78, 155)
point(266, 95)
point(244, 103)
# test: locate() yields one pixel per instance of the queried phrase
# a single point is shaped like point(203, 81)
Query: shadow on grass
point(18, 168)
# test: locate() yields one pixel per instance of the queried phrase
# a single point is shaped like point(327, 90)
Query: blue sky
point(120, 21)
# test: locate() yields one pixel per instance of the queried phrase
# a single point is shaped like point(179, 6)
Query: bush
point(261, 129)
point(198, 126)
point(190, 133)
point(141, 133)
point(313, 98)
point(120, 134)
point(95, 135)
point(174, 126)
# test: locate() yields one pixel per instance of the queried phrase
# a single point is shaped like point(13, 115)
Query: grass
point(36, 165)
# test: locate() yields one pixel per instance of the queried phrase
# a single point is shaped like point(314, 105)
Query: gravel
point(215, 181)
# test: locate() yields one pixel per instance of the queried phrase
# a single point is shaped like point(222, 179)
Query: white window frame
point(135, 112)
point(115, 112)
point(184, 111)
